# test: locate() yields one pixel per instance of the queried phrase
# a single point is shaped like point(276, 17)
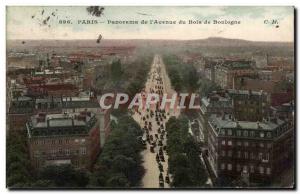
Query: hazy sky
point(21, 25)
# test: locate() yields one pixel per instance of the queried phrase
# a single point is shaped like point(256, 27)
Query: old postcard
point(110, 97)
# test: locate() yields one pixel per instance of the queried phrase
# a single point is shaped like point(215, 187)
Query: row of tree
point(139, 79)
point(18, 169)
point(120, 163)
point(183, 76)
point(120, 75)
point(185, 164)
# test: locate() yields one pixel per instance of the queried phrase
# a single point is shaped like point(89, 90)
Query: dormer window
point(222, 132)
point(229, 132)
point(262, 134)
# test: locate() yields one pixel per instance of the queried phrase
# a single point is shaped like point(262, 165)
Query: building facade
point(19, 112)
point(259, 149)
point(228, 71)
point(212, 104)
point(67, 138)
point(63, 139)
point(249, 105)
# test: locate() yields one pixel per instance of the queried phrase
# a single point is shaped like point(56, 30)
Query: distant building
point(260, 149)
point(284, 111)
point(261, 60)
point(52, 89)
point(22, 108)
point(19, 112)
point(207, 67)
point(212, 104)
point(244, 105)
point(255, 84)
point(210, 73)
point(249, 105)
point(67, 138)
point(265, 75)
point(280, 98)
point(290, 77)
point(229, 70)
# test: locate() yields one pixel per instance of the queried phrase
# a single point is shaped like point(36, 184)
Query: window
point(267, 156)
point(238, 133)
point(251, 168)
point(238, 167)
point(252, 133)
point(269, 145)
point(239, 154)
point(246, 143)
point(223, 153)
point(246, 155)
point(229, 153)
point(53, 142)
point(269, 135)
point(222, 132)
point(260, 155)
point(67, 151)
point(229, 131)
point(245, 133)
point(262, 134)
point(60, 141)
point(261, 145)
point(36, 153)
point(76, 162)
point(222, 166)
point(83, 151)
point(76, 140)
point(261, 170)
point(229, 166)
point(268, 171)
point(245, 168)
point(239, 143)
point(251, 155)
point(229, 142)
point(223, 142)
point(52, 152)
point(82, 140)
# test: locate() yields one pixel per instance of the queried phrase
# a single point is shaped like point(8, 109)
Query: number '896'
point(64, 22)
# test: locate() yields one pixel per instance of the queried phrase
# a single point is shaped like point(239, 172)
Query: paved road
point(153, 121)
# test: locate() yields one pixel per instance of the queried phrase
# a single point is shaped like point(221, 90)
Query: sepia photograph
point(150, 97)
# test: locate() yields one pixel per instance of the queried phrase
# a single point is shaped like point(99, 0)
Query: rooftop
point(246, 92)
point(216, 101)
point(44, 124)
point(237, 64)
point(226, 122)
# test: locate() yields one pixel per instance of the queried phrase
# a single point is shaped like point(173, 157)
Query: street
point(153, 120)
